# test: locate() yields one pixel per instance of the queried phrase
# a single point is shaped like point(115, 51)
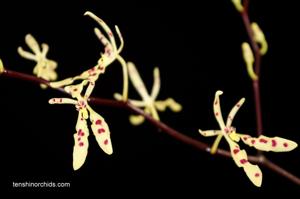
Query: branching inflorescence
point(80, 88)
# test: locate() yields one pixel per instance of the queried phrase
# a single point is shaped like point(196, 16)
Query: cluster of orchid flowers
point(263, 143)
point(80, 93)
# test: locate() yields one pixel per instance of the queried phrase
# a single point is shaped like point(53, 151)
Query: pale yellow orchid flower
point(239, 156)
point(45, 68)
point(111, 53)
point(148, 102)
point(99, 127)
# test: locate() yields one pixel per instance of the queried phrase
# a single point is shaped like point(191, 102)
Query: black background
point(197, 47)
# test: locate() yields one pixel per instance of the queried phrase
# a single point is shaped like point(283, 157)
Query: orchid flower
point(45, 68)
point(149, 102)
point(98, 125)
point(111, 53)
point(276, 144)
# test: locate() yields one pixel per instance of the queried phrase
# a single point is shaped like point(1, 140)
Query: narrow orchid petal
point(79, 151)
point(137, 81)
point(89, 90)
point(81, 144)
point(45, 49)
point(156, 83)
point(209, 133)
point(264, 143)
point(101, 131)
point(26, 55)
point(109, 54)
point(254, 174)
point(239, 156)
point(121, 39)
point(281, 144)
point(102, 38)
point(170, 103)
point(62, 101)
point(61, 83)
point(217, 110)
point(32, 44)
point(241, 160)
point(233, 112)
point(125, 77)
point(105, 27)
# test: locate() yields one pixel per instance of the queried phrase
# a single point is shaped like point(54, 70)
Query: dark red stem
point(160, 125)
point(257, 64)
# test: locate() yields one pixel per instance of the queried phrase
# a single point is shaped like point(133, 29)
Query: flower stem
point(268, 164)
point(256, 92)
point(257, 65)
point(259, 159)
